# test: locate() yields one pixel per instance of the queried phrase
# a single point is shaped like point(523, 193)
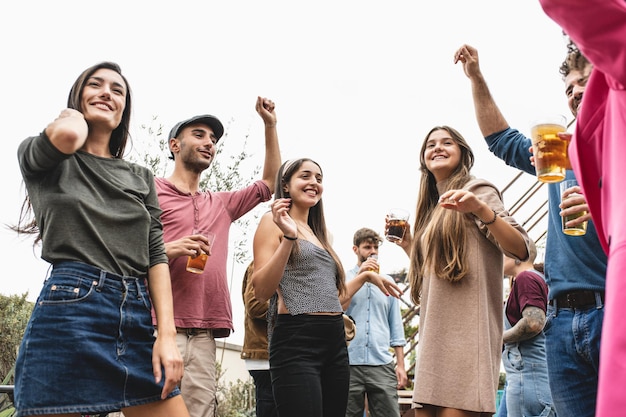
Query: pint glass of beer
point(549, 149)
point(398, 222)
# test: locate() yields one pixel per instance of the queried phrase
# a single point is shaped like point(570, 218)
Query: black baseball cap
point(205, 119)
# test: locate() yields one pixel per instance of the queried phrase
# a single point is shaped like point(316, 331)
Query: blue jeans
point(309, 366)
point(265, 405)
point(573, 354)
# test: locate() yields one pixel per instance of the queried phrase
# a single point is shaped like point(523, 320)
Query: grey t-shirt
point(100, 211)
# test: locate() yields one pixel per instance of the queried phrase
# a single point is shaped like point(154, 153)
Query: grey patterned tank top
point(308, 284)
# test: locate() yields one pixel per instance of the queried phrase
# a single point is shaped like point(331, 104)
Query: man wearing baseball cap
point(202, 306)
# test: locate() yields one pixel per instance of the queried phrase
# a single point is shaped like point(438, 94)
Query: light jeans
point(527, 392)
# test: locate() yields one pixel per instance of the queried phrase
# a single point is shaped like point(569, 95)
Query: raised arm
point(265, 108)
point(490, 119)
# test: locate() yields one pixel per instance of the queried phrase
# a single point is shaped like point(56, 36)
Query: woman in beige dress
point(456, 273)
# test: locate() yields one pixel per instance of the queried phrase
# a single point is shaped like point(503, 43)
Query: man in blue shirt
point(575, 266)
point(379, 328)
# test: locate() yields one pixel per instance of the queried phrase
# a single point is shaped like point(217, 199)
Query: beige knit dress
point(460, 333)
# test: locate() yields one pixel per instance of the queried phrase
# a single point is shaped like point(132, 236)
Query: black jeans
point(309, 366)
point(265, 405)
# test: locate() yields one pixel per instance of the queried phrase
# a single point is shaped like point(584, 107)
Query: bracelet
point(290, 238)
point(495, 216)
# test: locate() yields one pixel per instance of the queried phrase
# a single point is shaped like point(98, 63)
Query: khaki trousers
point(198, 386)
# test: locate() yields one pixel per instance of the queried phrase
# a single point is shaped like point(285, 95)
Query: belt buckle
point(195, 331)
point(571, 300)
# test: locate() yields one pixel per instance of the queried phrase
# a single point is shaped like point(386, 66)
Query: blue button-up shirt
point(378, 324)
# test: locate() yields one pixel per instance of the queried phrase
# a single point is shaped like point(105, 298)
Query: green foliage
point(6, 401)
point(15, 311)
point(234, 399)
point(8, 412)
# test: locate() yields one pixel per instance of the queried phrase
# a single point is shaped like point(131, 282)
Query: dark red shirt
point(529, 289)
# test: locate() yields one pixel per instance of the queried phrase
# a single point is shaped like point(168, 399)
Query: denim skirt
point(87, 346)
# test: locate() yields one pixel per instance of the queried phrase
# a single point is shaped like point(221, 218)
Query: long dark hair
point(443, 232)
point(315, 220)
point(27, 224)
point(121, 133)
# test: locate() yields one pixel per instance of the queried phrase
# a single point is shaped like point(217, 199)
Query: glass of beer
point(398, 220)
point(375, 258)
point(549, 149)
point(579, 229)
point(196, 264)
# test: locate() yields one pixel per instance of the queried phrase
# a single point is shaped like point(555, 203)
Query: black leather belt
point(577, 299)
point(191, 331)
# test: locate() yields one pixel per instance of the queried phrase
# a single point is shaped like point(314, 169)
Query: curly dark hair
point(574, 60)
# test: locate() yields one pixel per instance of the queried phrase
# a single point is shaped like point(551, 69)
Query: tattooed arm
point(529, 326)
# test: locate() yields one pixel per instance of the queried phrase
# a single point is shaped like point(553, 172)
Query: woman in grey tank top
point(297, 269)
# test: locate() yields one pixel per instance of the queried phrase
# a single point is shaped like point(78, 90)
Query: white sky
point(357, 85)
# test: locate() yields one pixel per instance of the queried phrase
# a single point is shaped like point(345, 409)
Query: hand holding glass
point(398, 221)
point(374, 257)
point(579, 229)
point(196, 264)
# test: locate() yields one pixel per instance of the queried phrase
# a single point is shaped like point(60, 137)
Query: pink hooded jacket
point(598, 154)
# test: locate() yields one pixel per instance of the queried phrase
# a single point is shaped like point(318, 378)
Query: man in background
point(527, 391)
point(373, 372)
point(255, 351)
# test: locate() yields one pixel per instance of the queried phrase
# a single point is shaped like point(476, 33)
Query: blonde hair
point(440, 235)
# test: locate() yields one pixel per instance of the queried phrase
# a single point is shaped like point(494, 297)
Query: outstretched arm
point(509, 238)
point(388, 287)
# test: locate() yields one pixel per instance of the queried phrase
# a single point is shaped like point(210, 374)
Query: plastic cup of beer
point(374, 257)
point(398, 220)
point(196, 264)
point(579, 229)
point(549, 149)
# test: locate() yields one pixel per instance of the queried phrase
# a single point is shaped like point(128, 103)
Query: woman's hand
point(386, 286)
point(166, 356)
point(280, 214)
